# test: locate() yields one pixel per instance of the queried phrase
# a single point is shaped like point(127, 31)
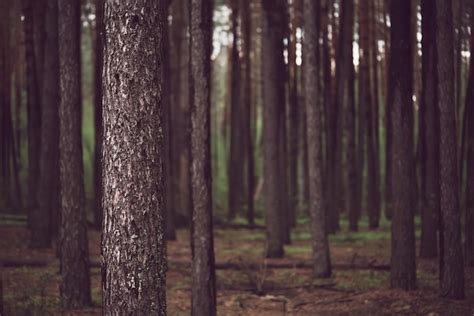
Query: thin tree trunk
point(203, 289)
point(38, 222)
point(99, 47)
point(403, 265)
point(317, 210)
point(133, 242)
point(451, 261)
point(75, 285)
point(469, 113)
point(236, 162)
point(430, 134)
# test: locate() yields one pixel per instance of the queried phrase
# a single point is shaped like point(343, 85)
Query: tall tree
point(451, 261)
point(236, 162)
point(75, 281)
point(469, 219)
point(247, 105)
point(203, 271)
point(320, 245)
point(48, 190)
point(38, 222)
point(167, 131)
point(274, 101)
point(133, 246)
point(430, 205)
point(403, 265)
point(99, 55)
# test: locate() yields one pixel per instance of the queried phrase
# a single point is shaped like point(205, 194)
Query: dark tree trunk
point(48, 190)
point(133, 242)
point(317, 206)
point(273, 98)
point(203, 272)
point(236, 162)
point(403, 266)
point(75, 282)
point(451, 261)
point(99, 55)
point(430, 206)
point(38, 222)
point(469, 112)
point(167, 133)
point(247, 104)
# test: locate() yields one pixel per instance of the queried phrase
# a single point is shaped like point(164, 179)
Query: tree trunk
point(403, 272)
point(133, 245)
point(273, 98)
point(49, 188)
point(451, 261)
point(430, 206)
point(203, 300)
point(320, 245)
point(469, 112)
point(38, 222)
point(75, 282)
point(236, 161)
point(247, 103)
point(99, 55)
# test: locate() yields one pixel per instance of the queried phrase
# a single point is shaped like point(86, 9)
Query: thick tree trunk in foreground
point(133, 243)
point(203, 272)
point(75, 282)
point(322, 264)
point(430, 210)
point(469, 219)
point(99, 55)
point(403, 272)
point(48, 190)
point(451, 261)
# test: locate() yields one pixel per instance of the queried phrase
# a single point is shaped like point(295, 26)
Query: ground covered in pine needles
point(247, 284)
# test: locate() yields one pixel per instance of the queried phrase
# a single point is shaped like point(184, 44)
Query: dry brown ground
point(34, 291)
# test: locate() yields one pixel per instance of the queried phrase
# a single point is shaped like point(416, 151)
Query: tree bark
point(403, 272)
point(38, 222)
point(273, 98)
point(75, 282)
point(48, 189)
point(451, 261)
point(236, 162)
point(133, 245)
point(430, 206)
point(203, 300)
point(320, 245)
point(99, 55)
point(469, 112)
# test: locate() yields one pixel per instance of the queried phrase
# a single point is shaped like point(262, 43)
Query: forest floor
point(359, 285)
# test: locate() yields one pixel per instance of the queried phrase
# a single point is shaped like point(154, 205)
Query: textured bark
point(347, 97)
point(167, 133)
point(75, 282)
point(48, 185)
point(38, 222)
point(430, 206)
point(469, 112)
point(236, 163)
point(247, 103)
point(451, 261)
point(320, 245)
point(203, 300)
point(403, 272)
point(99, 55)
point(273, 98)
point(133, 245)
